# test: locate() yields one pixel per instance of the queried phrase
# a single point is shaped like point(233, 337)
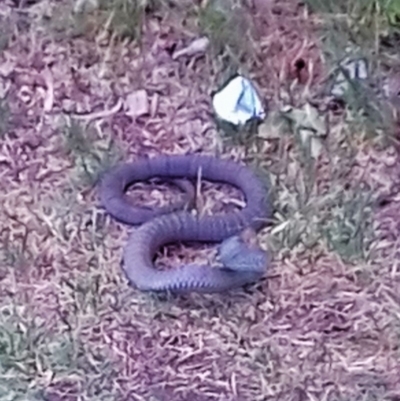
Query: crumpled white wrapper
point(356, 70)
point(238, 102)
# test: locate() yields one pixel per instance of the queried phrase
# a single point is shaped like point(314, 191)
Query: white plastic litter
point(356, 69)
point(238, 102)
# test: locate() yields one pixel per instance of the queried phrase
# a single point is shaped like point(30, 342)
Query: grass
point(31, 358)
point(340, 218)
point(92, 153)
point(322, 325)
point(124, 17)
point(225, 24)
point(359, 29)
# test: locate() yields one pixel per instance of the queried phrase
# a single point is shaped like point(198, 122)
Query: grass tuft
point(31, 357)
point(224, 23)
point(124, 18)
point(357, 29)
point(91, 152)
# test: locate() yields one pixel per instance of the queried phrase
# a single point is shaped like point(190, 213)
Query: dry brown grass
point(71, 329)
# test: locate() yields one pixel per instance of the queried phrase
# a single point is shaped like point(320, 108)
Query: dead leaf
point(315, 142)
point(6, 68)
point(306, 118)
point(310, 125)
point(272, 127)
point(137, 103)
point(154, 104)
point(198, 46)
point(49, 98)
point(82, 6)
point(101, 114)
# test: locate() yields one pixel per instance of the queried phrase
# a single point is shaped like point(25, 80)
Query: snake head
point(242, 252)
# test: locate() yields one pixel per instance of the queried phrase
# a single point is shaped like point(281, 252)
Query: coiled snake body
point(241, 265)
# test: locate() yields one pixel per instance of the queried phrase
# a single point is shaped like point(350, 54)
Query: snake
point(242, 262)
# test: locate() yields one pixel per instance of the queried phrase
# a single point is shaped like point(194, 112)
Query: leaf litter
point(316, 328)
